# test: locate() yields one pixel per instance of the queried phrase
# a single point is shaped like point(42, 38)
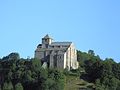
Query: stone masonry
point(59, 55)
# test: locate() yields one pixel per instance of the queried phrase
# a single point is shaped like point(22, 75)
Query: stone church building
point(57, 54)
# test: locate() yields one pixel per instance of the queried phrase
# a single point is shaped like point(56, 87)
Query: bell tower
point(46, 41)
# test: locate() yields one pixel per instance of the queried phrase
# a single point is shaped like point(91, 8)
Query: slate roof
point(61, 43)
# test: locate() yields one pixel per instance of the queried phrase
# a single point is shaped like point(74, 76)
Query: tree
point(29, 75)
point(36, 65)
point(118, 85)
point(93, 69)
point(91, 52)
point(113, 84)
point(58, 77)
point(7, 86)
point(116, 70)
point(98, 85)
point(18, 86)
point(13, 56)
point(42, 78)
point(50, 83)
point(106, 69)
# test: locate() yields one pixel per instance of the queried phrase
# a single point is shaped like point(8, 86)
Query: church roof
point(61, 43)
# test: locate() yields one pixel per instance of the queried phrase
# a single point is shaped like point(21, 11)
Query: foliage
point(7, 86)
point(23, 74)
point(18, 86)
point(104, 73)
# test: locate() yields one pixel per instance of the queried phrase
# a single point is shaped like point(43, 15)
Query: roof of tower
point(47, 36)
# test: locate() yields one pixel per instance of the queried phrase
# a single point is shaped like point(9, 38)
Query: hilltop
point(17, 73)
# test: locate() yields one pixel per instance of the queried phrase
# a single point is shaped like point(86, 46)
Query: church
point(59, 55)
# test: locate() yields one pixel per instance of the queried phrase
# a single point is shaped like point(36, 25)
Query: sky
point(89, 24)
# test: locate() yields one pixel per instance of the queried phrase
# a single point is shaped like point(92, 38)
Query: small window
point(60, 57)
point(45, 40)
point(58, 46)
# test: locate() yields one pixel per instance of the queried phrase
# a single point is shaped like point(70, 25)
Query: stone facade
point(57, 54)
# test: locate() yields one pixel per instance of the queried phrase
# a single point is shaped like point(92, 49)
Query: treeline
point(105, 74)
point(27, 74)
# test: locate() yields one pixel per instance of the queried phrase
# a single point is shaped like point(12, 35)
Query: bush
point(18, 86)
point(7, 86)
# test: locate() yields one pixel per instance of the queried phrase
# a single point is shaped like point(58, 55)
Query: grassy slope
point(74, 83)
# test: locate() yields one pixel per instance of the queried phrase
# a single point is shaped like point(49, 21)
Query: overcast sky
point(90, 24)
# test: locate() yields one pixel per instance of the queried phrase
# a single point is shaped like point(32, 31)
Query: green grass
point(74, 83)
